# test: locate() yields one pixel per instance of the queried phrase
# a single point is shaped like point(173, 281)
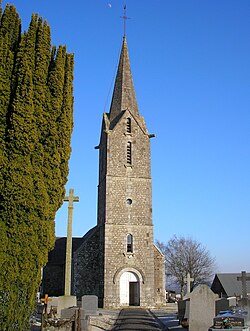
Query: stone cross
point(244, 280)
point(188, 280)
point(71, 199)
point(46, 300)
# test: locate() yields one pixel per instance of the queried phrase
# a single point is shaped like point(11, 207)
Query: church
point(117, 260)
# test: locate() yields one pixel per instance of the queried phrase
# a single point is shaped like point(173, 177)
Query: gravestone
point(65, 301)
point(90, 304)
point(231, 319)
point(220, 305)
point(53, 302)
point(232, 302)
point(224, 304)
point(78, 314)
point(201, 308)
point(183, 311)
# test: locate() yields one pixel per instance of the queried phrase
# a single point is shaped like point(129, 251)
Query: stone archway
point(129, 289)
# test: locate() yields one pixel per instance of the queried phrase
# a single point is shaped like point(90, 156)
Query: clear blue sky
point(190, 61)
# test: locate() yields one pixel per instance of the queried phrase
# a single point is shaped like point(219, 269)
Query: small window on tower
point(129, 243)
point(128, 125)
point(129, 153)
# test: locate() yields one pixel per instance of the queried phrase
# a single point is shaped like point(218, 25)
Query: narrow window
point(128, 125)
point(129, 243)
point(129, 153)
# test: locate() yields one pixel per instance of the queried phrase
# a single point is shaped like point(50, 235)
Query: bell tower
point(127, 249)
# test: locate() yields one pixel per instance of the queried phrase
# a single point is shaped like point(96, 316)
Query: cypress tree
point(9, 37)
point(35, 129)
point(10, 27)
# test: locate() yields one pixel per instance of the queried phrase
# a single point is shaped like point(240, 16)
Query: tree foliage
point(186, 255)
point(36, 122)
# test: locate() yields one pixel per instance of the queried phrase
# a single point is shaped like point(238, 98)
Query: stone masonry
point(124, 205)
point(117, 259)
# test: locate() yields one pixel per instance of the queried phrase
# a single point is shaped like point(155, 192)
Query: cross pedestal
point(68, 300)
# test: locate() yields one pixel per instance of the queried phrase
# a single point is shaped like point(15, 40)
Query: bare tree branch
point(186, 255)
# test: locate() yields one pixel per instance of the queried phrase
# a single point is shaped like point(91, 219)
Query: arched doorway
point(129, 289)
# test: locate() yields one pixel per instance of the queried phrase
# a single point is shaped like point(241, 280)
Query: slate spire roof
point(124, 94)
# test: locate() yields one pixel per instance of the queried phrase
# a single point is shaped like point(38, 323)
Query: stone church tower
point(117, 259)
point(125, 199)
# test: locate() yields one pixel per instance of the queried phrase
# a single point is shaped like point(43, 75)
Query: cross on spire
point(125, 17)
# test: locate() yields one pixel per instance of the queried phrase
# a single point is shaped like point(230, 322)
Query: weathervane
point(125, 17)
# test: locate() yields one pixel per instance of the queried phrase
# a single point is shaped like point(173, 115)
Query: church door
point(134, 294)
point(129, 289)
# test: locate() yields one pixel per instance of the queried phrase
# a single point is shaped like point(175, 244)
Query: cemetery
point(199, 310)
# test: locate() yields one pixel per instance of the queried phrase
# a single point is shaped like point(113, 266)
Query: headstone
point(231, 319)
point(65, 301)
point(79, 315)
point(202, 308)
point(53, 302)
point(68, 313)
point(183, 312)
point(232, 302)
point(90, 304)
point(220, 305)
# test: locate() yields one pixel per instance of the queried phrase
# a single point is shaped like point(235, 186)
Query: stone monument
point(202, 308)
point(197, 310)
point(188, 280)
point(244, 278)
point(68, 300)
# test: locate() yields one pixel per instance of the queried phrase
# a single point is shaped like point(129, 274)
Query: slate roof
point(58, 254)
point(123, 94)
point(230, 284)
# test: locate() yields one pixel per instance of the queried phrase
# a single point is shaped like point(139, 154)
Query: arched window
point(129, 153)
point(129, 243)
point(128, 125)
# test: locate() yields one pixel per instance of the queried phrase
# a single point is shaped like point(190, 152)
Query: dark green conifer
point(35, 130)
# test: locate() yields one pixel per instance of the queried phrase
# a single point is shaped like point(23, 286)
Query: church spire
point(124, 94)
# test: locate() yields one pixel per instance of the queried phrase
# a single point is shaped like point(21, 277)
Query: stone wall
point(118, 260)
point(125, 207)
point(88, 265)
point(159, 265)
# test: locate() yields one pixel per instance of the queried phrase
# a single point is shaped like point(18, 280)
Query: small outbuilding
point(227, 285)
